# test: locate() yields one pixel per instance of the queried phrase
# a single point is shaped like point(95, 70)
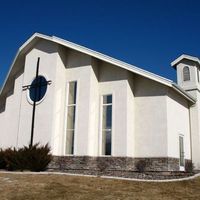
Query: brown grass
point(49, 187)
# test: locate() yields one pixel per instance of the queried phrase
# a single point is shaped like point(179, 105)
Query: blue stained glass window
point(38, 88)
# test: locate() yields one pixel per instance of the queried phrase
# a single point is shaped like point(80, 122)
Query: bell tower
point(188, 78)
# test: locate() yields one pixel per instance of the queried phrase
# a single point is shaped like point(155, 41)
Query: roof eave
point(183, 93)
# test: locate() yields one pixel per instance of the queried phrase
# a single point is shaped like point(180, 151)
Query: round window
point(38, 88)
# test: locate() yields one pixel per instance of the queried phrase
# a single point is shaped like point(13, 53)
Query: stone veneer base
point(157, 168)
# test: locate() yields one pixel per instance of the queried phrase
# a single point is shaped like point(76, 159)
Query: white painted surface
point(150, 119)
point(9, 120)
point(147, 116)
point(118, 82)
point(193, 82)
point(44, 111)
point(178, 124)
point(193, 88)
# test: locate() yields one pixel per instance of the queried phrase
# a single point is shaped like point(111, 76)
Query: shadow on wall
point(108, 72)
point(144, 87)
point(74, 59)
point(2, 107)
point(46, 46)
point(10, 92)
point(178, 98)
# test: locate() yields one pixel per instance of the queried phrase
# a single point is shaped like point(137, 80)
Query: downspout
point(190, 132)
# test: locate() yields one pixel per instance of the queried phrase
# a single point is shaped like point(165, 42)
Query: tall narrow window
point(71, 110)
point(107, 125)
point(181, 151)
point(198, 75)
point(186, 73)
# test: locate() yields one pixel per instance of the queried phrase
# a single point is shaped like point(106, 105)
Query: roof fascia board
point(34, 36)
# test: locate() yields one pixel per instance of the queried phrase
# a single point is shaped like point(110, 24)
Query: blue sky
point(148, 34)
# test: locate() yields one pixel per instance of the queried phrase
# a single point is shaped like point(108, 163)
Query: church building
point(88, 107)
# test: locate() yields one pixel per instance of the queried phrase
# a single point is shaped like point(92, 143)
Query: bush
point(12, 159)
point(140, 166)
point(37, 157)
point(33, 158)
point(2, 160)
point(189, 167)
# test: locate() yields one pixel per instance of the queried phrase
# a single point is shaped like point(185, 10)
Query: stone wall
point(108, 164)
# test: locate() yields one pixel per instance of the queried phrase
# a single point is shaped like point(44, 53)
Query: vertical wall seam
point(19, 114)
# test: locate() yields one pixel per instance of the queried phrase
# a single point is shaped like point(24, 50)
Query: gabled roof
point(182, 57)
point(37, 36)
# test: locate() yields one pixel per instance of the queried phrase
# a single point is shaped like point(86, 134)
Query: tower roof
point(184, 57)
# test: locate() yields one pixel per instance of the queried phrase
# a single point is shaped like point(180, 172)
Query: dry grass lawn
point(49, 187)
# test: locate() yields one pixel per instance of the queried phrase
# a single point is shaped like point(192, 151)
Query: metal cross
point(37, 87)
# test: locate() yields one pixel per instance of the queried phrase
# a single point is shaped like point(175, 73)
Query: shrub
point(12, 159)
point(37, 157)
point(140, 166)
point(33, 158)
point(189, 167)
point(2, 160)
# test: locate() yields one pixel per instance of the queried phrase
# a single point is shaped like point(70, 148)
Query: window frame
point(181, 154)
point(101, 125)
point(67, 105)
point(186, 74)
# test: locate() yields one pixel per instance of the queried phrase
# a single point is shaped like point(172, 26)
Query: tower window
point(186, 73)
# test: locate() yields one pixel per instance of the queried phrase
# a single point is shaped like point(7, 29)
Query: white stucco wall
point(119, 83)
point(192, 86)
point(150, 119)
point(178, 124)
point(93, 143)
point(79, 68)
point(94, 79)
point(195, 129)
point(44, 110)
point(144, 122)
point(9, 119)
point(161, 116)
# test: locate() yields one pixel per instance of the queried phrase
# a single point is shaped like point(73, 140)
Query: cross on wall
point(35, 89)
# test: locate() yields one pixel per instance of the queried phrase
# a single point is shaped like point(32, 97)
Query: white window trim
point(100, 124)
point(65, 118)
point(189, 73)
point(181, 168)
